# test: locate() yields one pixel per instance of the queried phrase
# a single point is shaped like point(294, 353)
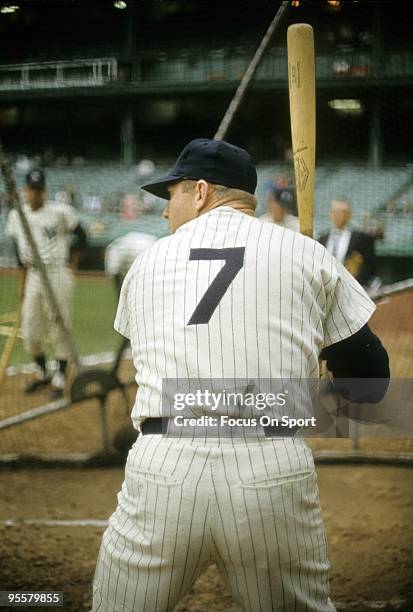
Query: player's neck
point(36, 208)
point(243, 207)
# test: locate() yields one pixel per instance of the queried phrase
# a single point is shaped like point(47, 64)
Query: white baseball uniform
point(290, 221)
point(120, 254)
point(51, 227)
point(250, 506)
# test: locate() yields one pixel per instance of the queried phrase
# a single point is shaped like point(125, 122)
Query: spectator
point(130, 207)
point(282, 182)
point(145, 169)
point(22, 165)
point(93, 203)
point(373, 226)
point(48, 157)
point(391, 208)
point(78, 161)
point(352, 248)
point(407, 208)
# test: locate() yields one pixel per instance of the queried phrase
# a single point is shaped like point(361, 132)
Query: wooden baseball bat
point(10, 342)
point(301, 86)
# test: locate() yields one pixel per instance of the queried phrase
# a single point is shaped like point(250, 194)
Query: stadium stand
point(98, 190)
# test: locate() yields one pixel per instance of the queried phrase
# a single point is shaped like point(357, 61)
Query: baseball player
point(53, 226)
point(120, 254)
point(227, 296)
point(280, 203)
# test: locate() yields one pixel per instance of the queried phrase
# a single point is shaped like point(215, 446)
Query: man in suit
point(352, 248)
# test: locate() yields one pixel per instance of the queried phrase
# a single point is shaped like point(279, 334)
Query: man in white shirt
point(121, 252)
point(226, 297)
point(352, 248)
point(53, 226)
point(280, 203)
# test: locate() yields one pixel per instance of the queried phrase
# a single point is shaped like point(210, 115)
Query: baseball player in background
point(119, 256)
point(280, 204)
point(227, 296)
point(53, 227)
point(121, 253)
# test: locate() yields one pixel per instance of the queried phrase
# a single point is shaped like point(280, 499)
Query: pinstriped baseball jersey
point(228, 296)
point(51, 226)
point(121, 253)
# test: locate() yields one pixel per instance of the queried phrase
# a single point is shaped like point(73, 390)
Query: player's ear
point(201, 194)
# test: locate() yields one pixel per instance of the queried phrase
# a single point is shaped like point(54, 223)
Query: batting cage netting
point(96, 155)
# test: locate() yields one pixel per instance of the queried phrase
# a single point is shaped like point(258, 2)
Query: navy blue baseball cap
point(214, 161)
point(36, 179)
point(285, 197)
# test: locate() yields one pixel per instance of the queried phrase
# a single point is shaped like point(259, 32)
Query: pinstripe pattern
point(38, 320)
point(290, 300)
point(251, 506)
point(51, 226)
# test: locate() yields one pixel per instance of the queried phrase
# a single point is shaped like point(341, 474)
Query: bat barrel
point(301, 84)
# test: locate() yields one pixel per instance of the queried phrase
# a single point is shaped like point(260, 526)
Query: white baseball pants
point(250, 507)
point(38, 320)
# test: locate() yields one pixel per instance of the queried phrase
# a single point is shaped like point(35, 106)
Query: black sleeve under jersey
point(361, 356)
point(16, 251)
point(79, 242)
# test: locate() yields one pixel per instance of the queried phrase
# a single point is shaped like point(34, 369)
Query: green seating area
point(98, 190)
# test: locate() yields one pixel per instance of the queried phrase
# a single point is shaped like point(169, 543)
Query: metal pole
point(376, 143)
point(249, 73)
point(127, 136)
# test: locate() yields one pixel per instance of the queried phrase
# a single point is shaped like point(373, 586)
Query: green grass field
point(94, 307)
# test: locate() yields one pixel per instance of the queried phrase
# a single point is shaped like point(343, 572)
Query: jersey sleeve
point(121, 323)
point(348, 307)
point(112, 258)
point(11, 225)
point(70, 217)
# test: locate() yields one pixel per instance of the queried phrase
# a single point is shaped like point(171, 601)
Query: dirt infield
point(70, 431)
point(367, 511)
point(392, 321)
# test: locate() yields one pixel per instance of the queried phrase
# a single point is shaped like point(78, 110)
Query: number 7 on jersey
point(234, 260)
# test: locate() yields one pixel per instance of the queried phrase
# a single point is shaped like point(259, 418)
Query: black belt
point(155, 425)
point(159, 425)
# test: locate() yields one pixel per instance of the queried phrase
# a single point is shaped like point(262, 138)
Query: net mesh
point(392, 323)
point(363, 154)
